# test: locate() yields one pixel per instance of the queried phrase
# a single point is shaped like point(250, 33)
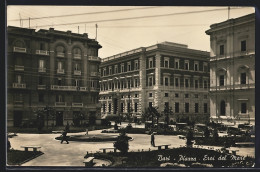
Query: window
point(176, 107)
point(187, 83)
point(205, 108)
point(60, 66)
point(109, 107)
point(166, 62)
point(205, 67)
point(243, 45)
point(221, 50)
point(136, 82)
point(92, 84)
point(187, 107)
point(196, 66)
point(135, 107)
point(176, 82)
point(243, 78)
point(196, 83)
point(150, 81)
point(128, 66)
point(223, 108)
point(41, 97)
point(166, 105)
point(177, 63)
point(205, 84)
point(186, 65)
point(42, 46)
point(40, 80)
point(136, 65)
point(136, 95)
point(186, 95)
point(150, 94)
point(59, 98)
point(196, 95)
point(150, 104)
point(166, 94)
point(19, 79)
point(116, 69)
point(128, 107)
point(77, 52)
point(110, 70)
point(41, 64)
point(59, 81)
point(76, 67)
point(122, 68)
point(221, 80)
point(122, 107)
point(176, 95)
point(150, 62)
point(205, 96)
point(104, 71)
point(196, 108)
point(243, 107)
point(166, 81)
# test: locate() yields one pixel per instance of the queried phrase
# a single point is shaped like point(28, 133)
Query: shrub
point(122, 143)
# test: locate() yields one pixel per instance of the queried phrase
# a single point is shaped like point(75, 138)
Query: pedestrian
point(86, 131)
point(64, 137)
point(67, 128)
point(152, 139)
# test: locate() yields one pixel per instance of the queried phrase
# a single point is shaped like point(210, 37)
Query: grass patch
point(17, 157)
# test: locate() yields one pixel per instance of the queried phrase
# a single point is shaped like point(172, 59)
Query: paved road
point(72, 154)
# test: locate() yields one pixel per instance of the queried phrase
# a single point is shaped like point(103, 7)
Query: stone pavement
point(72, 154)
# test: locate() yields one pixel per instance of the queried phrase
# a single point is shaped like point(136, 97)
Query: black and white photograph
point(130, 86)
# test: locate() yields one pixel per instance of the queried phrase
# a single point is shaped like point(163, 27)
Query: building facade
point(232, 70)
point(163, 75)
point(52, 69)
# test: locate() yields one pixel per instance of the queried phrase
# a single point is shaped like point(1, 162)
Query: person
point(67, 128)
point(86, 131)
point(152, 139)
point(64, 137)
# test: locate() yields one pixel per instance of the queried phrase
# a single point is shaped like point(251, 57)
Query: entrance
point(18, 117)
point(59, 118)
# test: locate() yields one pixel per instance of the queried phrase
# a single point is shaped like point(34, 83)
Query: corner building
point(163, 75)
point(232, 70)
point(51, 68)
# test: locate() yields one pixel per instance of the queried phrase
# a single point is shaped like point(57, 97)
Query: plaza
point(72, 154)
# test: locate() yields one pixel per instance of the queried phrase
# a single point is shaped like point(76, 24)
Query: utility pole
point(29, 22)
point(78, 29)
point(21, 21)
point(228, 12)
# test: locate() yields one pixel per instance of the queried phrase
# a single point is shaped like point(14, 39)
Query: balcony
point(41, 87)
point(18, 68)
point(83, 89)
point(42, 69)
point(19, 49)
point(60, 71)
point(42, 52)
point(94, 58)
point(63, 88)
point(60, 104)
point(94, 74)
point(77, 56)
point(77, 72)
point(77, 104)
point(19, 85)
point(59, 54)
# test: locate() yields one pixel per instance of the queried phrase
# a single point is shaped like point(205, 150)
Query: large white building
point(232, 70)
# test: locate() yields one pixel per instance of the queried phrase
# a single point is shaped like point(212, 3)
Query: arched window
point(222, 108)
point(19, 44)
point(60, 51)
point(76, 53)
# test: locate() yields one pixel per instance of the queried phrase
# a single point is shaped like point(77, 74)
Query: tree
point(215, 135)
point(167, 111)
point(189, 138)
point(122, 143)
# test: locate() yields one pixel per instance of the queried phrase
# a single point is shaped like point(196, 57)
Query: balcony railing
point(231, 87)
point(60, 104)
point(41, 87)
point(77, 56)
point(19, 50)
point(77, 104)
point(42, 52)
point(63, 88)
point(19, 85)
point(42, 69)
point(94, 89)
point(18, 68)
point(94, 58)
point(94, 74)
point(77, 72)
point(60, 71)
point(59, 54)
point(83, 89)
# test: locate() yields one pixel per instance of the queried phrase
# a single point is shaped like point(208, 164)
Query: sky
point(123, 28)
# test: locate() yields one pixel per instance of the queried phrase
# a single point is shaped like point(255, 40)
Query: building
point(165, 75)
point(51, 69)
point(232, 70)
